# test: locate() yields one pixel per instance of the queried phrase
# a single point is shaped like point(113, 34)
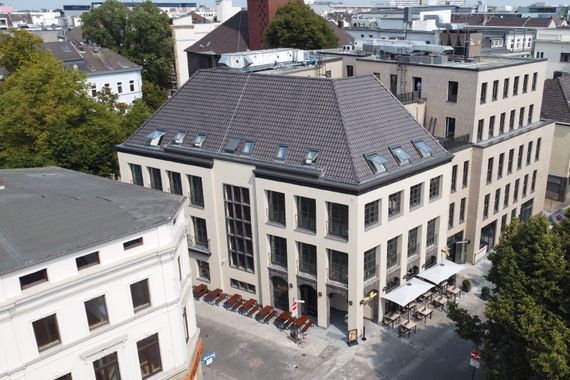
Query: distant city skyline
point(53, 4)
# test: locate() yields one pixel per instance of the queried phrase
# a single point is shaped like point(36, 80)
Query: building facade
point(94, 280)
point(299, 188)
point(260, 15)
point(554, 46)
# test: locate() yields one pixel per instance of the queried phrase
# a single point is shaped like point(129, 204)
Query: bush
point(466, 285)
point(453, 279)
point(485, 293)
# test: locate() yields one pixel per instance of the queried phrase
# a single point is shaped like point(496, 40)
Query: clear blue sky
point(37, 4)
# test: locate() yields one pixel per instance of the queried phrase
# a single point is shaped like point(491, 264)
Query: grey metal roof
point(345, 119)
point(50, 212)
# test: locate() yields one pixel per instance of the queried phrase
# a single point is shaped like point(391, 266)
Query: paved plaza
point(246, 349)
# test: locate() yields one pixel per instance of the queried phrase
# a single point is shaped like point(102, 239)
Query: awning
point(441, 272)
point(408, 292)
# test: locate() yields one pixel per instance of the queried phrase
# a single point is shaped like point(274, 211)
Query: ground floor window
point(488, 236)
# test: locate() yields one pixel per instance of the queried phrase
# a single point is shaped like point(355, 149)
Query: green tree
point(47, 118)
point(141, 35)
point(296, 26)
point(153, 95)
point(469, 327)
point(20, 47)
point(136, 115)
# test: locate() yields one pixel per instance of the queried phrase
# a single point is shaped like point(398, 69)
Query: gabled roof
point(344, 38)
point(556, 99)
point(230, 37)
point(63, 50)
point(344, 119)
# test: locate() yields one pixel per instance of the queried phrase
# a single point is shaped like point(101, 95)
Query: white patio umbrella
point(441, 272)
point(408, 292)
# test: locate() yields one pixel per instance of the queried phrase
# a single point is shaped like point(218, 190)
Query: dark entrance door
point(456, 251)
point(393, 84)
point(488, 236)
point(417, 89)
point(309, 295)
point(280, 293)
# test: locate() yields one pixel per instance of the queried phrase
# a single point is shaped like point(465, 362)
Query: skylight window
point(311, 156)
point(423, 149)
point(400, 155)
point(155, 137)
point(199, 140)
point(282, 152)
point(247, 147)
point(179, 138)
point(232, 145)
point(377, 162)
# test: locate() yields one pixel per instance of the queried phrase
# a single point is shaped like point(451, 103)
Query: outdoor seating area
point(252, 309)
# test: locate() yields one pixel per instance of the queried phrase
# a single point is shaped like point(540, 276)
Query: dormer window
point(199, 140)
point(423, 149)
point(311, 156)
point(247, 147)
point(377, 162)
point(232, 145)
point(282, 152)
point(179, 138)
point(155, 137)
point(401, 156)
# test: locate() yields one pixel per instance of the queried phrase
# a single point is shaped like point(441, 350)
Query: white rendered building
point(553, 45)
point(94, 279)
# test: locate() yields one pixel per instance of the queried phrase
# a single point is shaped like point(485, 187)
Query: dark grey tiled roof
point(50, 212)
point(556, 99)
point(230, 37)
point(344, 119)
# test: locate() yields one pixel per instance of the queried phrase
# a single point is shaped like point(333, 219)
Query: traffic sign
point(208, 359)
point(475, 360)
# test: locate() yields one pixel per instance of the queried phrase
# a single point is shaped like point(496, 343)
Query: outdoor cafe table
point(453, 292)
point(440, 302)
point(390, 319)
point(426, 297)
point(424, 313)
point(407, 327)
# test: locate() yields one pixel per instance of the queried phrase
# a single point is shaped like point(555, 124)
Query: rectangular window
point(452, 91)
point(349, 70)
point(537, 152)
point(465, 173)
point(451, 216)
point(132, 243)
point(86, 261)
point(203, 270)
point(392, 255)
point(530, 113)
point(434, 188)
point(507, 194)
point(454, 178)
point(525, 185)
point(394, 84)
point(46, 332)
point(175, 182)
point(486, 206)
point(533, 182)
point(497, 201)
point(449, 127)
point(564, 57)
point(107, 368)
point(490, 163)
point(521, 117)
point(495, 90)
point(480, 126)
point(155, 178)
point(415, 195)
point(33, 279)
point(196, 191)
point(525, 84)
point(140, 295)
point(511, 159)
point(96, 311)
point(413, 246)
point(276, 210)
point(395, 204)
point(370, 264)
point(483, 97)
point(132, 85)
point(534, 80)
point(520, 158)
point(431, 235)
point(200, 233)
point(513, 213)
point(120, 87)
point(501, 165)
point(338, 266)
point(529, 153)
point(462, 210)
point(512, 120)
point(516, 86)
point(506, 88)
point(491, 126)
point(136, 174)
point(338, 220)
point(503, 223)
point(247, 287)
point(371, 213)
point(502, 123)
point(307, 258)
point(149, 356)
point(278, 246)
point(516, 190)
point(239, 229)
point(306, 214)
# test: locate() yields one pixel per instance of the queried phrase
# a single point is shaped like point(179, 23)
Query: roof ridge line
point(234, 111)
point(561, 89)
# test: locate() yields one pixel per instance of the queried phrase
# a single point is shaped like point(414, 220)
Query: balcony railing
point(451, 143)
point(409, 97)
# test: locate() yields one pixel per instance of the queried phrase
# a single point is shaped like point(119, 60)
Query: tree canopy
point(295, 25)
point(527, 332)
point(141, 34)
point(19, 47)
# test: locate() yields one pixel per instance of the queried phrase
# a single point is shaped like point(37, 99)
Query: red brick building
point(260, 13)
